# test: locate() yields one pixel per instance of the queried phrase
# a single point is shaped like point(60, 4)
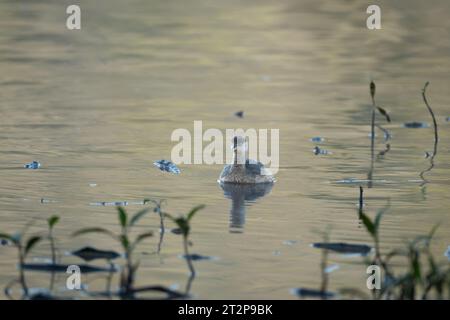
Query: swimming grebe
point(243, 170)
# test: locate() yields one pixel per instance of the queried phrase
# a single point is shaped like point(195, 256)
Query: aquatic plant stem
point(53, 250)
point(189, 263)
point(187, 255)
point(372, 135)
point(21, 271)
point(436, 136)
point(162, 228)
point(361, 200)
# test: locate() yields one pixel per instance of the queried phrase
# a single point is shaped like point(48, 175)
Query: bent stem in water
point(436, 137)
point(161, 214)
point(372, 135)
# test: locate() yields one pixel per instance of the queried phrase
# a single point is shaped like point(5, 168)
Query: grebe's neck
point(239, 156)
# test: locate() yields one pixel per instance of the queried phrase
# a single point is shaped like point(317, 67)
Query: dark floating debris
point(416, 125)
point(32, 165)
point(176, 231)
point(89, 254)
point(239, 114)
point(318, 151)
point(43, 296)
point(197, 257)
point(117, 203)
point(46, 267)
point(165, 165)
point(113, 203)
point(43, 201)
point(317, 139)
point(345, 248)
point(312, 293)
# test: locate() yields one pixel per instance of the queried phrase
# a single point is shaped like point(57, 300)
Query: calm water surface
point(99, 106)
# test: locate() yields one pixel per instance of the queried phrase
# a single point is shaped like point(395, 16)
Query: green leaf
point(183, 224)
point(122, 216)
point(384, 113)
point(433, 231)
point(138, 216)
point(372, 89)
point(11, 238)
point(31, 243)
point(368, 224)
point(194, 211)
point(142, 237)
point(124, 241)
point(52, 221)
point(378, 220)
point(94, 230)
point(415, 264)
point(6, 237)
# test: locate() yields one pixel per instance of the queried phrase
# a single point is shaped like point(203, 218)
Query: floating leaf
point(317, 139)
point(239, 114)
point(196, 257)
point(32, 165)
point(89, 254)
point(176, 231)
point(44, 267)
point(342, 247)
point(416, 125)
point(165, 165)
point(317, 151)
point(312, 293)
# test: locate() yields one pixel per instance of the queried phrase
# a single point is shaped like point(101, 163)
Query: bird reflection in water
point(242, 195)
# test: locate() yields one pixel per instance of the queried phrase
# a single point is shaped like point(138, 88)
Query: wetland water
point(97, 106)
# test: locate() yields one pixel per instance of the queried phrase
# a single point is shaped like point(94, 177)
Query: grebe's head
point(239, 143)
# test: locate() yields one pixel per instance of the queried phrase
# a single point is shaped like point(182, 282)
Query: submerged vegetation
point(411, 272)
point(126, 239)
point(424, 278)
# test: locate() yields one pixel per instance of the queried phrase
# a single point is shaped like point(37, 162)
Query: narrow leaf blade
point(122, 216)
point(194, 211)
point(31, 243)
point(138, 216)
point(52, 221)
